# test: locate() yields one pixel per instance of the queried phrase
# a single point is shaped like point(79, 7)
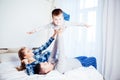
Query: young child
point(29, 59)
point(58, 21)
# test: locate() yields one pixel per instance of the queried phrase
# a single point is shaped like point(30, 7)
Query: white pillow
point(9, 57)
point(13, 50)
point(3, 50)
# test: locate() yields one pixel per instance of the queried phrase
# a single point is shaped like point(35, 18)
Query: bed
point(8, 62)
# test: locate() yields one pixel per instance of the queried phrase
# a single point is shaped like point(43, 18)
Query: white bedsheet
point(8, 72)
point(84, 73)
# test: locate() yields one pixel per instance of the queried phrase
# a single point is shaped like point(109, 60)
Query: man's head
point(57, 15)
point(44, 68)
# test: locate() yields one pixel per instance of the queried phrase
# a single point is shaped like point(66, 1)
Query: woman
point(29, 59)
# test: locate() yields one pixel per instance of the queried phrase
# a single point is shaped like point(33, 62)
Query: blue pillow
point(87, 61)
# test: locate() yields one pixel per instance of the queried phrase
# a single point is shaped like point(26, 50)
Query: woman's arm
point(47, 44)
point(30, 66)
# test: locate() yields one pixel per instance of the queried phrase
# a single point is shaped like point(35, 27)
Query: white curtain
point(111, 38)
point(106, 45)
point(80, 41)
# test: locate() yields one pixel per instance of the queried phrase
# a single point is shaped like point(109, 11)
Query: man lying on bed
point(62, 63)
point(36, 62)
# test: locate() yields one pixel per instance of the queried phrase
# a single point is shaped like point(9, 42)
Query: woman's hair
point(56, 12)
point(21, 56)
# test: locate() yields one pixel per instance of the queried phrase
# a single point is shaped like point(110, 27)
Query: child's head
point(57, 15)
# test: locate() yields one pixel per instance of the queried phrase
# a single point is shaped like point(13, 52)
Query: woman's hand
point(25, 61)
point(58, 31)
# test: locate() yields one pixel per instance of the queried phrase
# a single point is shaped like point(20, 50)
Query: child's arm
point(78, 24)
point(39, 29)
point(33, 31)
point(83, 25)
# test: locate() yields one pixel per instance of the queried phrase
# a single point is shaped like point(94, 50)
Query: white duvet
point(8, 72)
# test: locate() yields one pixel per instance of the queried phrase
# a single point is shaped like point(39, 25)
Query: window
point(87, 13)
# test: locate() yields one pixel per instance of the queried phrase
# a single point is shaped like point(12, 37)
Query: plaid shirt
point(39, 56)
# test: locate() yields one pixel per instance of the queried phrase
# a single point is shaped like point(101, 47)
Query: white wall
point(19, 16)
